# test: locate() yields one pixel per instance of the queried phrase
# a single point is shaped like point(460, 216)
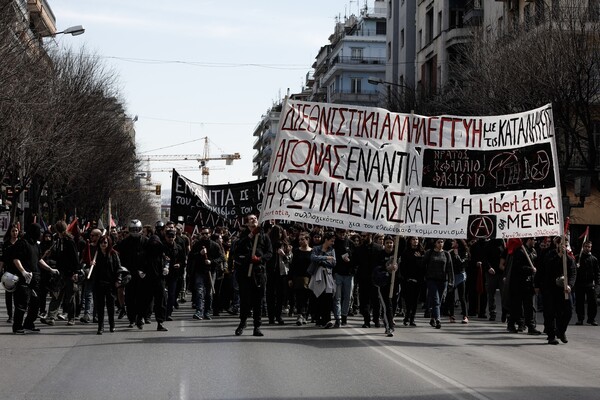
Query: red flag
point(567, 223)
point(72, 226)
point(586, 233)
point(513, 244)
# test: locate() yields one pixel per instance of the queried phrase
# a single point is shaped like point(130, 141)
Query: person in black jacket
point(366, 260)
point(64, 254)
point(250, 265)
point(299, 277)
point(344, 271)
point(588, 277)
point(132, 254)
point(175, 256)
point(439, 275)
point(105, 278)
point(549, 281)
point(522, 271)
point(386, 269)
point(205, 257)
point(153, 283)
point(26, 263)
point(11, 237)
point(412, 276)
point(460, 258)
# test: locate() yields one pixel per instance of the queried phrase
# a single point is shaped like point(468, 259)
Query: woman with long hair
point(321, 282)
point(299, 277)
point(9, 241)
point(105, 277)
point(277, 271)
point(459, 254)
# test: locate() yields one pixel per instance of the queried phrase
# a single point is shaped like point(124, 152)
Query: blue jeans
point(435, 293)
point(203, 289)
point(343, 291)
point(87, 297)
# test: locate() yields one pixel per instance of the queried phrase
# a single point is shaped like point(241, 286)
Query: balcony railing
point(473, 12)
point(356, 61)
point(364, 98)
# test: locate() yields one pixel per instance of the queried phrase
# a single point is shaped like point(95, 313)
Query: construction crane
point(202, 159)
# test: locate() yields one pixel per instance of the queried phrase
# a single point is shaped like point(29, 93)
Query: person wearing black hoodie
point(549, 281)
point(153, 275)
point(26, 264)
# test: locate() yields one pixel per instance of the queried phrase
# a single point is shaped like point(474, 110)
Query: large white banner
point(368, 169)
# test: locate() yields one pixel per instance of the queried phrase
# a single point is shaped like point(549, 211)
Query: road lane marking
point(468, 393)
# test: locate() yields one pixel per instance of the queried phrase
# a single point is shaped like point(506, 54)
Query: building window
point(356, 53)
point(402, 39)
point(429, 26)
point(594, 10)
point(440, 22)
point(355, 84)
point(389, 50)
point(380, 28)
point(420, 39)
point(456, 19)
point(540, 11)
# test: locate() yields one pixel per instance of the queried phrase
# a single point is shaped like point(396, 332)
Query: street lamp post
point(75, 30)
point(378, 81)
point(401, 99)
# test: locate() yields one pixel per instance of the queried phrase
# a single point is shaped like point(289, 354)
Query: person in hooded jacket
point(26, 264)
point(153, 273)
point(132, 254)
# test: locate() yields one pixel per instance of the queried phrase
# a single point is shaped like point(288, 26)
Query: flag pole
point(395, 261)
point(564, 258)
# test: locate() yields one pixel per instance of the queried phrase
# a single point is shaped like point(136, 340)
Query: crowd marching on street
point(319, 276)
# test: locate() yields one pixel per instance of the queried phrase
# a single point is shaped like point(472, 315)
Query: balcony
point(257, 143)
point(361, 99)
point(42, 17)
point(357, 61)
point(473, 13)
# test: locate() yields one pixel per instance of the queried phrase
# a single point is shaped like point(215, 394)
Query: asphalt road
point(205, 360)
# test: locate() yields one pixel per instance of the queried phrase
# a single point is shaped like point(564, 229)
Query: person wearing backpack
point(439, 275)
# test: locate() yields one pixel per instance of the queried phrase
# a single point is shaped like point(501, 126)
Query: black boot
point(257, 332)
point(240, 329)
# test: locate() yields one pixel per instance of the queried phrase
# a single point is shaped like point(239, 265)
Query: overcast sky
point(202, 68)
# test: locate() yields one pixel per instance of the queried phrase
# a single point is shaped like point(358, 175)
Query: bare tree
point(547, 60)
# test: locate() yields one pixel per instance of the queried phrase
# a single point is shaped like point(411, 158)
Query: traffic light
point(158, 190)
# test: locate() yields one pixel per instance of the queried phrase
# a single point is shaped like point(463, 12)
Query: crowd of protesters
point(317, 276)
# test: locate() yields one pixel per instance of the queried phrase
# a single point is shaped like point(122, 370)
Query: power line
point(207, 64)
